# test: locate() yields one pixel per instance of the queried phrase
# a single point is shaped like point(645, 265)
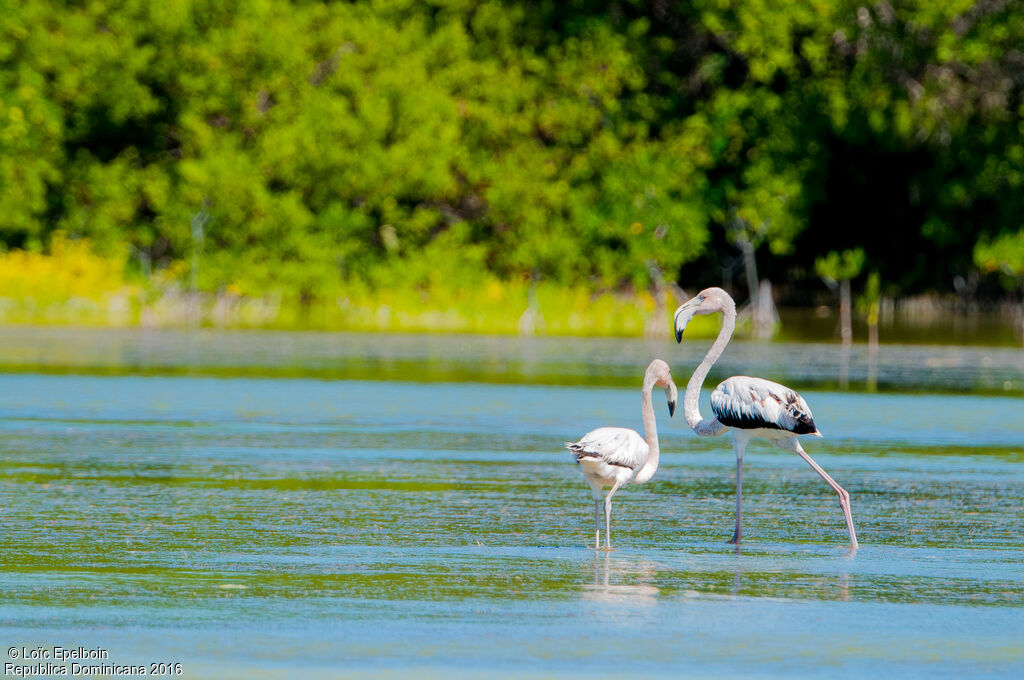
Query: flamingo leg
point(597, 523)
point(739, 445)
point(608, 515)
point(844, 496)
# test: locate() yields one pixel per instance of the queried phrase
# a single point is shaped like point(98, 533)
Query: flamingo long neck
point(650, 433)
point(708, 427)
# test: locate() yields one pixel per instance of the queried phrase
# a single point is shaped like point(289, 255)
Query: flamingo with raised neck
point(751, 407)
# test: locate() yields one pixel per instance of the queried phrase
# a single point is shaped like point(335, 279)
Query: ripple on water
point(387, 527)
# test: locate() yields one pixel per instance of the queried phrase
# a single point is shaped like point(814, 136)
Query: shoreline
point(611, 316)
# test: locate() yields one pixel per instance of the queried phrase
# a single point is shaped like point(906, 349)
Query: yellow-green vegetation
point(70, 284)
point(1005, 255)
point(493, 307)
point(74, 285)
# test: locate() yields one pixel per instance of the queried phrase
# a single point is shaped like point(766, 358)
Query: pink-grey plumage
point(750, 407)
point(615, 456)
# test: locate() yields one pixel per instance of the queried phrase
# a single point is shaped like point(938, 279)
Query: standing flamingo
point(752, 407)
point(614, 456)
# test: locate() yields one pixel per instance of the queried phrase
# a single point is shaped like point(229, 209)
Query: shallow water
point(501, 359)
point(273, 526)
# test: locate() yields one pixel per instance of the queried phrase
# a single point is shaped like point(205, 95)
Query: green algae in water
point(270, 526)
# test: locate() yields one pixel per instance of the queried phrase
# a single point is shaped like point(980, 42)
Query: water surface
point(319, 526)
point(501, 359)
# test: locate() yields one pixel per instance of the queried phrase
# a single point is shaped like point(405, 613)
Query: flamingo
point(615, 456)
point(751, 407)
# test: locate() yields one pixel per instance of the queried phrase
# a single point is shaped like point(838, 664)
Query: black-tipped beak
point(682, 317)
point(671, 408)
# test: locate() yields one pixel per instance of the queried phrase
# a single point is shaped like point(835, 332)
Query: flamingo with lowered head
point(614, 456)
point(752, 407)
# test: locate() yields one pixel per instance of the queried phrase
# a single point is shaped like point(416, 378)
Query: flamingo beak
point(672, 395)
point(684, 313)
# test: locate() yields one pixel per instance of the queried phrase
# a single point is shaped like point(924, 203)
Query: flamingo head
point(661, 375)
point(708, 301)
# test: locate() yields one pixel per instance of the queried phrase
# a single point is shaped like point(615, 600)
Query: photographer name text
point(79, 661)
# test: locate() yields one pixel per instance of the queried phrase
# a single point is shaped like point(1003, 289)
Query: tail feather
point(579, 452)
point(575, 448)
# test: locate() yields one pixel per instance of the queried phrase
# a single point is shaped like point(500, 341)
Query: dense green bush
point(438, 143)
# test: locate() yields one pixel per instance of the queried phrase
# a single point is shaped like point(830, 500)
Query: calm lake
point(321, 505)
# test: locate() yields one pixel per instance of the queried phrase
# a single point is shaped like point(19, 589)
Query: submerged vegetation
point(499, 166)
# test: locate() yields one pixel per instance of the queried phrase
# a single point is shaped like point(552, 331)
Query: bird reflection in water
point(843, 582)
point(844, 588)
point(837, 586)
point(602, 589)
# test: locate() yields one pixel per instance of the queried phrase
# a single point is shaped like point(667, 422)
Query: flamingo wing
point(755, 403)
point(613, 445)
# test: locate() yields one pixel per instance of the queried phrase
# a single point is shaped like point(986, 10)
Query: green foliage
point(1005, 255)
point(451, 142)
point(840, 266)
point(330, 141)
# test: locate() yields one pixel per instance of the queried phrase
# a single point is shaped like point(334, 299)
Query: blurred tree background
point(299, 149)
